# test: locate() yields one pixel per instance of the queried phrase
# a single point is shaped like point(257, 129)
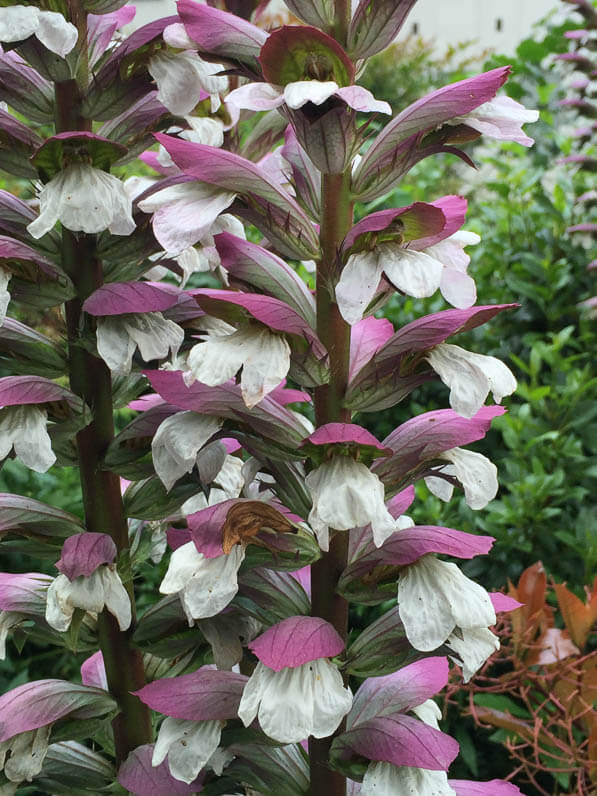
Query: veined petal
point(183, 563)
point(24, 427)
point(361, 99)
point(180, 78)
point(4, 294)
point(84, 199)
point(114, 345)
point(59, 610)
point(296, 702)
point(470, 377)
point(434, 597)
point(8, 619)
point(28, 751)
point(256, 97)
point(177, 442)
point(476, 473)
point(501, 118)
point(300, 92)
point(55, 33)
point(188, 745)
point(155, 335)
point(472, 646)
point(116, 598)
point(414, 273)
point(384, 779)
point(213, 585)
point(357, 285)
point(266, 364)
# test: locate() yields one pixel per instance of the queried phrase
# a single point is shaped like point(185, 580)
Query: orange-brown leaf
point(245, 520)
point(578, 616)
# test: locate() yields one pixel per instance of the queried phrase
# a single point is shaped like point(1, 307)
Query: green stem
point(334, 332)
point(91, 380)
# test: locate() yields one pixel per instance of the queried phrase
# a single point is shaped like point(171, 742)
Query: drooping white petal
point(472, 646)
point(180, 78)
point(470, 377)
point(300, 92)
point(116, 598)
point(256, 97)
point(84, 199)
point(184, 213)
point(263, 355)
point(501, 118)
point(429, 712)
point(296, 702)
point(230, 477)
point(188, 745)
point(384, 779)
point(114, 345)
point(357, 284)
point(103, 588)
point(434, 597)
point(4, 294)
point(183, 563)
point(213, 585)
point(18, 22)
point(414, 273)
point(155, 336)
point(24, 427)
point(177, 442)
point(458, 288)
point(346, 494)
point(8, 619)
point(55, 33)
point(28, 751)
point(476, 473)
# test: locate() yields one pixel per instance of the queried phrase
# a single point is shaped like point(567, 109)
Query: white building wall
point(498, 25)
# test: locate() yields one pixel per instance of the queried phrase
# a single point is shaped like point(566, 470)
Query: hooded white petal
point(28, 750)
point(55, 33)
point(357, 285)
point(434, 597)
point(472, 646)
point(256, 97)
point(429, 712)
point(181, 77)
point(296, 702)
point(177, 442)
point(184, 213)
point(476, 473)
point(4, 294)
point(501, 118)
point(8, 619)
point(18, 22)
point(103, 588)
point(346, 494)
point(384, 779)
point(300, 92)
point(470, 377)
point(263, 355)
point(188, 745)
point(114, 344)
point(414, 273)
point(155, 336)
point(84, 199)
point(205, 585)
point(24, 427)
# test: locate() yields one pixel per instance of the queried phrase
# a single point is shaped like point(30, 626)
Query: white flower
point(501, 118)
point(24, 427)
point(429, 712)
point(27, 754)
point(470, 377)
point(473, 647)
point(263, 356)
point(265, 96)
point(180, 78)
point(476, 473)
point(204, 130)
point(84, 199)
point(119, 335)
point(434, 598)
point(346, 495)
point(102, 589)
point(53, 31)
point(185, 213)
point(8, 619)
point(177, 442)
point(456, 286)
point(296, 702)
point(205, 586)
point(4, 294)
point(384, 779)
point(188, 745)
